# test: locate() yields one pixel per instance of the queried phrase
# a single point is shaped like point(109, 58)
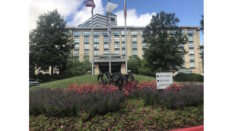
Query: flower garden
point(139, 106)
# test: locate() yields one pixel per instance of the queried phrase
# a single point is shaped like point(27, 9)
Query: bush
point(182, 77)
point(58, 102)
point(189, 95)
point(76, 68)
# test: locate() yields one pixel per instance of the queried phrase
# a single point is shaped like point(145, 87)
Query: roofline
point(129, 27)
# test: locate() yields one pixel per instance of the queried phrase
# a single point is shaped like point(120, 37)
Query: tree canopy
point(49, 42)
point(165, 43)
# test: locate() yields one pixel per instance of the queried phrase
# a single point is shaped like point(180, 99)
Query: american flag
point(90, 3)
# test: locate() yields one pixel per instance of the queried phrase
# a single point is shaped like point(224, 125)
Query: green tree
point(145, 69)
point(165, 43)
point(202, 23)
point(76, 68)
point(134, 64)
point(49, 42)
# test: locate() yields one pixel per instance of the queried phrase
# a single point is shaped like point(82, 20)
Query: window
point(191, 45)
point(190, 32)
point(86, 33)
point(135, 46)
point(76, 46)
point(123, 52)
point(123, 33)
point(106, 52)
point(116, 33)
point(106, 46)
point(86, 52)
point(117, 51)
point(76, 52)
point(134, 33)
point(191, 57)
point(123, 45)
point(86, 46)
point(134, 39)
point(143, 45)
point(96, 52)
point(105, 34)
point(76, 39)
point(135, 52)
point(96, 40)
point(76, 33)
point(96, 34)
point(117, 45)
point(191, 51)
point(122, 38)
point(96, 46)
point(190, 38)
point(117, 39)
point(105, 39)
point(192, 64)
point(113, 19)
point(86, 39)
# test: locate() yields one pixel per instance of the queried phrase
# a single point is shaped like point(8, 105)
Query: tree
point(76, 68)
point(49, 42)
point(134, 64)
point(202, 23)
point(144, 68)
point(165, 43)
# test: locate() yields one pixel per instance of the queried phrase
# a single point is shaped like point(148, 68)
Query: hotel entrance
point(104, 67)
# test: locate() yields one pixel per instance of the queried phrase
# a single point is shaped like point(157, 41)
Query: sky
point(139, 12)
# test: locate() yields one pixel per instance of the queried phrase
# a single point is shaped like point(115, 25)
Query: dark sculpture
point(116, 78)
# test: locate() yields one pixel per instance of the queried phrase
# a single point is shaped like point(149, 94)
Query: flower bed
point(98, 99)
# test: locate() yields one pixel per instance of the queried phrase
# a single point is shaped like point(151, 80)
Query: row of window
point(117, 33)
point(96, 34)
point(106, 39)
point(106, 46)
point(96, 52)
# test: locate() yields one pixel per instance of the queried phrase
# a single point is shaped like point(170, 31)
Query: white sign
point(164, 80)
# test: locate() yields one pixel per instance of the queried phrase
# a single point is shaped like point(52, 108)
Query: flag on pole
point(125, 9)
point(90, 3)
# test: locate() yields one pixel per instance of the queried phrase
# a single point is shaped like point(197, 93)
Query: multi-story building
point(83, 47)
point(83, 39)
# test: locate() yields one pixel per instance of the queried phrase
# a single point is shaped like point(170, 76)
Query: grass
point(133, 115)
point(85, 79)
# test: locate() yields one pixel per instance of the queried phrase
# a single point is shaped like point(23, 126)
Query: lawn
point(85, 79)
point(132, 116)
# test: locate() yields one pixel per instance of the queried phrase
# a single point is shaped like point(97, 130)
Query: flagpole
point(126, 62)
point(109, 55)
point(92, 41)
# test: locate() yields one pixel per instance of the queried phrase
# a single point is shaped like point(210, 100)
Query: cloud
point(78, 13)
point(134, 19)
point(85, 13)
point(38, 7)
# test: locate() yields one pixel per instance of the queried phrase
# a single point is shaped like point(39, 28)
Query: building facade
point(83, 39)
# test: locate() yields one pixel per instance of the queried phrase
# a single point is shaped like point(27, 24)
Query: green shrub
point(182, 77)
point(189, 95)
point(57, 102)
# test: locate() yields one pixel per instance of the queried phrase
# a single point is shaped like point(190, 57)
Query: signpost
point(164, 79)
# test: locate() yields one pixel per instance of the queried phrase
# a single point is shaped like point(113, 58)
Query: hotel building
point(83, 48)
point(83, 39)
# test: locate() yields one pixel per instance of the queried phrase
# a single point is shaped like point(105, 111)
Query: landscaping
point(85, 79)
point(139, 106)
